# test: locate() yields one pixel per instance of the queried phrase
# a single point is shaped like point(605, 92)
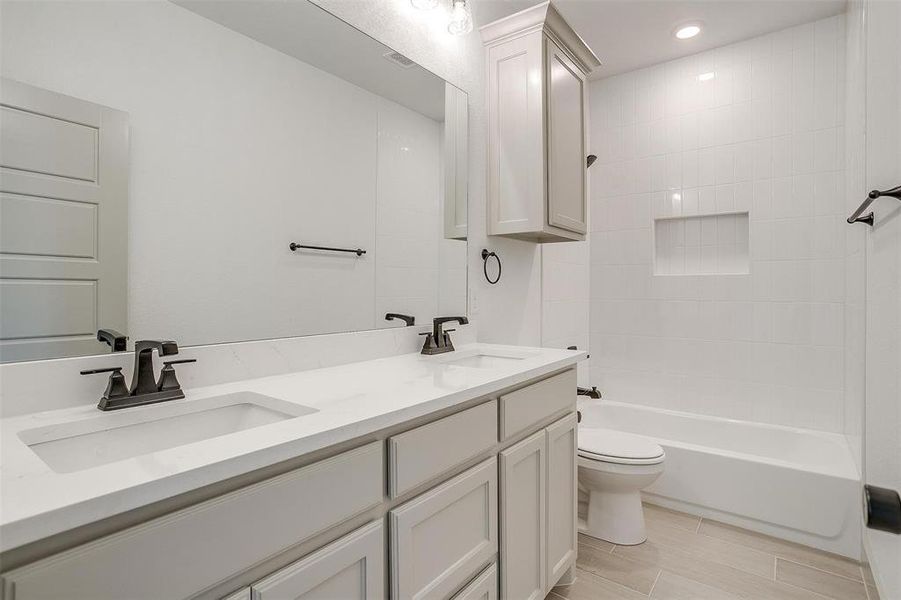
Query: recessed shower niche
point(702, 245)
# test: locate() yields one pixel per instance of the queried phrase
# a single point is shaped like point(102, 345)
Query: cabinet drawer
point(352, 568)
point(483, 587)
point(439, 539)
point(416, 456)
point(523, 408)
point(188, 551)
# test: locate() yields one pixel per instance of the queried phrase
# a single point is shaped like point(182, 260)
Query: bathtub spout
point(591, 393)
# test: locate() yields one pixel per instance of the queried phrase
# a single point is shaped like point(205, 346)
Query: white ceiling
point(631, 34)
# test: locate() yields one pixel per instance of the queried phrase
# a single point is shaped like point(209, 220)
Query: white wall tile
point(739, 315)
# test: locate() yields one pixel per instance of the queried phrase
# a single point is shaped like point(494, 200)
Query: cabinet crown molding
point(542, 17)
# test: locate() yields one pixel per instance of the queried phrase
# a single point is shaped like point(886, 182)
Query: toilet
point(613, 469)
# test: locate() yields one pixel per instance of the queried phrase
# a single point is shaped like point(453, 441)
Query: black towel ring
point(485, 256)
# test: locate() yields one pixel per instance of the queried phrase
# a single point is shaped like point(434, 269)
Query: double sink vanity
point(420, 477)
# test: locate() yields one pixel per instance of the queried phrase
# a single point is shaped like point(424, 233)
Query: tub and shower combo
point(795, 484)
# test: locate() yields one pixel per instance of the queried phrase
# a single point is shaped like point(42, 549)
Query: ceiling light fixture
point(461, 18)
point(424, 4)
point(689, 31)
point(706, 76)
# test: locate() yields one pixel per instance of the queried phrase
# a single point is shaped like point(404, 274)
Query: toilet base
point(616, 517)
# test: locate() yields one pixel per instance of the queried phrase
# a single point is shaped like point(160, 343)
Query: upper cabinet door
point(515, 137)
point(567, 205)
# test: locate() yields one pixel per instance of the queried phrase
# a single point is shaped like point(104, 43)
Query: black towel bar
point(294, 246)
point(869, 219)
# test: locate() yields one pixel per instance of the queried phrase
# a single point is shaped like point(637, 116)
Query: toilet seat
point(611, 446)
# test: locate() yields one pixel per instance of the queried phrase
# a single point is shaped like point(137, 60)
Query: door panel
point(515, 139)
point(523, 492)
point(562, 507)
point(352, 568)
point(440, 539)
point(63, 209)
point(567, 205)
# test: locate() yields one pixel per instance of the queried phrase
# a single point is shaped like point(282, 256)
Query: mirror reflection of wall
point(250, 125)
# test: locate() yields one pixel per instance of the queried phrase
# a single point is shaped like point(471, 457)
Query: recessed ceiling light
point(687, 31)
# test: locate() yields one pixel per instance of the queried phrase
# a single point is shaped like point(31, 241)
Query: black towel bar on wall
point(869, 219)
point(294, 246)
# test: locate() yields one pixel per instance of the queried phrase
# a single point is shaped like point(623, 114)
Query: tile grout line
point(653, 585)
point(775, 566)
point(698, 528)
point(846, 578)
point(798, 587)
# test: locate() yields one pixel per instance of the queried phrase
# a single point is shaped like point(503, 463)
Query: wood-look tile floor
point(689, 558)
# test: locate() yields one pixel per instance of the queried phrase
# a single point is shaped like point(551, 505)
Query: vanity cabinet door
point(523, 493)
point(562, 497)
point(441, 539)
point(352, 568)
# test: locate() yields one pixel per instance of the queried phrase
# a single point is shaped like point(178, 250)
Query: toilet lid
point(602, 444)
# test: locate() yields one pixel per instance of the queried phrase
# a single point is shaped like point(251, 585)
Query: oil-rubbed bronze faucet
point(144, 389)
point(438, 341)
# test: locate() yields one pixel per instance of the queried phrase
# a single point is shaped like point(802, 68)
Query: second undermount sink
point(114, 436)
point(484, 361)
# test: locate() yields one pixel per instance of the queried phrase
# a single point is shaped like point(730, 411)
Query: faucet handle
point(168, 380)
point(96, 371)
point(115, 387)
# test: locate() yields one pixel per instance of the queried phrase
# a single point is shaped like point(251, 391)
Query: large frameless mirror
point(216, 172)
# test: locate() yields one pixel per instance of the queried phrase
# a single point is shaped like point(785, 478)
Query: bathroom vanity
point(431, 481)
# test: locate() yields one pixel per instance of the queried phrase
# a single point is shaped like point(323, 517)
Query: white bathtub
point(796, 484)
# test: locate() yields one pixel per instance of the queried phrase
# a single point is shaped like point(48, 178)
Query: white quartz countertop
point(350, 400)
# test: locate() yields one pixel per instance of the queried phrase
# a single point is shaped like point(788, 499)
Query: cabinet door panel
point(440, 539)
point(523, 492)
point(567, 206)
point(352, 568)
point(562, 497)
point(515, 137)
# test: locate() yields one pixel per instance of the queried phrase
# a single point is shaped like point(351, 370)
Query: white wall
point(765, 135)
point(237, 149)
point(565, 278)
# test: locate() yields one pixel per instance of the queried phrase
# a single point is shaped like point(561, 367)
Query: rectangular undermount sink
point(484, 361)
point(114, 436)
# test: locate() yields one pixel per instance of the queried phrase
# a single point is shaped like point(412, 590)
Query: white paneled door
point(63, 228)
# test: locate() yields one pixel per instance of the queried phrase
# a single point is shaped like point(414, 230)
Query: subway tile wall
point(753, 127)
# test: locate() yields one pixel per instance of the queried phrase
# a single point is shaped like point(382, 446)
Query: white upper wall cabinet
point(537, 114)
